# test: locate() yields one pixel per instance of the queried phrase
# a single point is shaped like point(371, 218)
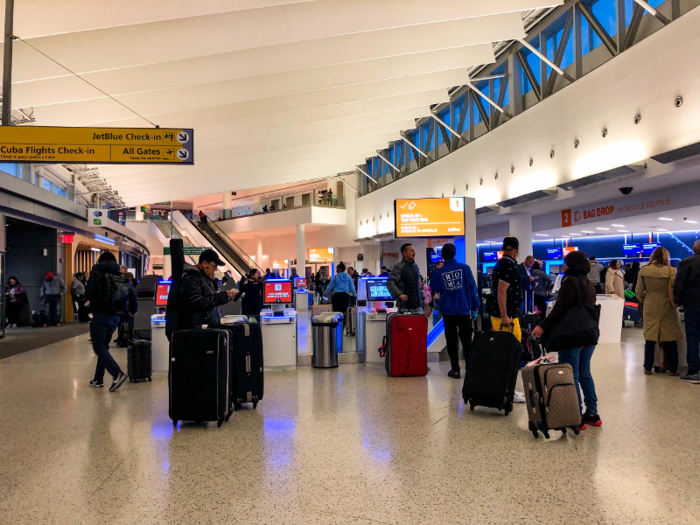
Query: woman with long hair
point(15, 297)
point(614, 280)
point(661, 321)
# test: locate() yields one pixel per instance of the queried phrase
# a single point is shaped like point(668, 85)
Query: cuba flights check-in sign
point(58, 145)
point(429, 217)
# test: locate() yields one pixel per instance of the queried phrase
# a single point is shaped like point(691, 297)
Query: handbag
point(579, 326)
point(670, 287)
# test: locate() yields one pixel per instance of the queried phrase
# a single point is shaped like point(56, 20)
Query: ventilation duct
point(599, 177)
point(528, 197)
point(678, 154)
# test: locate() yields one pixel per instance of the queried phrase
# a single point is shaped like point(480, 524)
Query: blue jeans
point(102, 329)
point(580, 361)
point(53, 309)
point(692, 339)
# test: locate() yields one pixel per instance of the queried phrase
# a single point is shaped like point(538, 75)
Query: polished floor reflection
point(347, 445)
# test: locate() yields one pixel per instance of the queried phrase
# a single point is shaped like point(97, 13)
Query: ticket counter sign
point(42, 144)
point(429, 217)
point(320, 255)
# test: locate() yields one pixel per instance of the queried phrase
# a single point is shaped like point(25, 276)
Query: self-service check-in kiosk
point(372, 317)
point(279, 326)
point(160, 346)
point(301, 295)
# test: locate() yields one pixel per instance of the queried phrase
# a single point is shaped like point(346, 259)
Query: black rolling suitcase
point(489, 379)
point(200, 369)
point(247, 380)
point(139, 360)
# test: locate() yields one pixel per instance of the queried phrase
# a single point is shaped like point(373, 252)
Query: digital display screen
point(300, 282)
point(278, 292)
point(429, 217)
point(566, 251)
point(320, 255)
point(377, 290)
point(490, 256)
point(649, 247)
point(554, 253)
point(162, 292)
point(631, 249)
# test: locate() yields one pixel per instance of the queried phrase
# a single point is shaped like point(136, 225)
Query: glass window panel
point(606, 13)
point(46, 184)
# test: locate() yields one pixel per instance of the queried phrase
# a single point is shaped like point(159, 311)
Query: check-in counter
point(374, 330)
point(160, 346)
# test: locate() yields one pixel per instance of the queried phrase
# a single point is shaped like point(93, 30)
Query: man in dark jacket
point(199, 298)
point(526, 283)
point(686, 293)
point(404, 281)
point(107, 309)
point(458, 301)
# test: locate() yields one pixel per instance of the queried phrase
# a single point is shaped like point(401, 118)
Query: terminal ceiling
point(278, 91)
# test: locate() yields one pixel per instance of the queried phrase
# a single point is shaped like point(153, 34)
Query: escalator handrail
point(228, 242)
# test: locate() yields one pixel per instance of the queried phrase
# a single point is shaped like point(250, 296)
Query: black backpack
point(111, 293)
point(603, 274)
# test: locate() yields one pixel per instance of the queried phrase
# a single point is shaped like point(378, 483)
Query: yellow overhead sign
point(96, 145)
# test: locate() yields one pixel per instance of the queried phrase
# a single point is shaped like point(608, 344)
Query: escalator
point(229, 250)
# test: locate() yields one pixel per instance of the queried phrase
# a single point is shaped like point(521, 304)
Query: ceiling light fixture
point(575, 234)
point(665, 219)
point(618, 225)
point(623, 231)
point(541, 235)
point(604, 229)
point(691, 222)
point(586, 231)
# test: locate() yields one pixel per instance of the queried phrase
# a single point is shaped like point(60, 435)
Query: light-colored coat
point(615, 283)
point(661, 320)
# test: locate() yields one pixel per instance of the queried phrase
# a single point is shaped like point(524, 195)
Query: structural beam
point(547, 61)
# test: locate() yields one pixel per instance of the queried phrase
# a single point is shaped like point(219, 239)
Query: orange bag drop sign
point(429, 217)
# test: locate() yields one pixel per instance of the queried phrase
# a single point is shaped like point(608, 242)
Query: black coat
point(199, 301)
point(686, 287)
point(253, 300)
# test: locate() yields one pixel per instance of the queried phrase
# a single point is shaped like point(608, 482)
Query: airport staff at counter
point(199, 300)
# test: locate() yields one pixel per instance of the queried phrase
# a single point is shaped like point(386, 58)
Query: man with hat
point(52, 289)
point(199, 298)
point(506, 284)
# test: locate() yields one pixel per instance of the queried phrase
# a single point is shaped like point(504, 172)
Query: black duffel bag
point(579, 326)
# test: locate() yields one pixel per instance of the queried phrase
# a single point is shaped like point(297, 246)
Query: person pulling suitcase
point(459, 303)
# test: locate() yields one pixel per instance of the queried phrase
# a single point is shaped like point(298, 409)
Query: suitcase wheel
point(577, 431)
point(545, 434)
point(149, 379)
point(255, 401)
point(471, 406)
point(132, 380)
point(535, 434)
point(228, 416)
point(507, 412)
point(219, 423)
point(563, 431)
point(175, 422)
point(236, 407)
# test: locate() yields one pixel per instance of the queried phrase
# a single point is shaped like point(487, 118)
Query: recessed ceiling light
point(661, 230)
point(604, 229)
point(623, 231)
point(618, 225)
point(586, 231)
point(541, 235)
point(691, 222)
point(576, 234)
point(665, 219)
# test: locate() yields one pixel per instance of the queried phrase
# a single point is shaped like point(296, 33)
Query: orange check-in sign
point(429, 217)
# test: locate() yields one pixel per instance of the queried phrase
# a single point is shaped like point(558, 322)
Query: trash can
point(327, 337)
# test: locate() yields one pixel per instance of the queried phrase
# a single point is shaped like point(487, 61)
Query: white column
point(139, 213)
point(470, 232)
point(301, 249)
point(520, 226)
point(228, 202)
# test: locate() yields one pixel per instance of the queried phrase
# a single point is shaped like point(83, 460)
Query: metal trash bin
point(327, 337)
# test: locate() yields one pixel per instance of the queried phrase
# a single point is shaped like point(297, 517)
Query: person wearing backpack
point(576, 291)
point(109, 293)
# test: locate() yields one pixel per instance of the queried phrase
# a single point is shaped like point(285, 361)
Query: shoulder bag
point(670, 287)
point(579, 326)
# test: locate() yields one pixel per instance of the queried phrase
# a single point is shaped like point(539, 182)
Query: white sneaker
point(518, 397)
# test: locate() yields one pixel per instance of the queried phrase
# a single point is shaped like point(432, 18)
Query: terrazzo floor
point(340, 446)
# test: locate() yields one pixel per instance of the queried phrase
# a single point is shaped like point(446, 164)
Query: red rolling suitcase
point(406, 345)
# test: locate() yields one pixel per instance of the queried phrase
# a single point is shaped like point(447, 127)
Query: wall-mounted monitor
point(377, 290)
point(429, 217)
point(278, 291)
point(162, 292)
point(567, 250)
point(631, 250)
point(649, 247)
point(554, 254)
point(489, 256)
